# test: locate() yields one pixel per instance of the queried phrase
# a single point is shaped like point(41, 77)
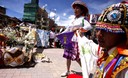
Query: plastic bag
point(88, 55)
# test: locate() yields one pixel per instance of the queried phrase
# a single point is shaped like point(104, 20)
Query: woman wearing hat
point(79, 23)
point(112, 34)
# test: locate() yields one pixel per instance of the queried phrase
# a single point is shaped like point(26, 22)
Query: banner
point(42, 38)
point(65, 38)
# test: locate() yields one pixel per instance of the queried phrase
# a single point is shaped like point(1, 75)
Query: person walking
point(52, 38)
point(79, 23)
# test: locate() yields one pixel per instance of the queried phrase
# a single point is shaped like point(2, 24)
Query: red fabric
point(74, 76)
point(108, 75)
point(98, 50)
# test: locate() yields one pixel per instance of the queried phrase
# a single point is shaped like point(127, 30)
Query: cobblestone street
point(52, 69)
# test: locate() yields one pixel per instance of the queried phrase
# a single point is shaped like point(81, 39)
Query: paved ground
point(42, 69)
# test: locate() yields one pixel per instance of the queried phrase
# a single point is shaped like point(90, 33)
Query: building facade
point(6, 20)
point(36, 15)
point(31, 11)
point(2, 10)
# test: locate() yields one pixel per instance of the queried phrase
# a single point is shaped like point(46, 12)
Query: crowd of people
point(111, 50)
point(108, 43)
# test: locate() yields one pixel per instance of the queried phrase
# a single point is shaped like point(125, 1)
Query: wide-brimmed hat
point(81, 4)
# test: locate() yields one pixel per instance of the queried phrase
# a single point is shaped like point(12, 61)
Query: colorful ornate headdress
point(114, 19)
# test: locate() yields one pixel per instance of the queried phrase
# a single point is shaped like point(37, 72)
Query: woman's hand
point(82, 30)
point(75, 28)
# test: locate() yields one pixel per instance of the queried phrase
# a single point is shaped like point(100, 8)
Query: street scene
point(63, 39)
point(51, 68)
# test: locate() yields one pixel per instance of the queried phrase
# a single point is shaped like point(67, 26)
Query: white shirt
point(78, 23)
point(52, 35)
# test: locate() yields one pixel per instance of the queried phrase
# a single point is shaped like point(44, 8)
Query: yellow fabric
point(111, 56)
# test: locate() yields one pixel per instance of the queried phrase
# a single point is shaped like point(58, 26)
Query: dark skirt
point(71, 51)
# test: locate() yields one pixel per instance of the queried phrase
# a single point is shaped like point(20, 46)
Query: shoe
point(65, 74)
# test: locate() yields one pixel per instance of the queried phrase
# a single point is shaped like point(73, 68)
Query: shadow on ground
point(76, 72)
point(25, 65)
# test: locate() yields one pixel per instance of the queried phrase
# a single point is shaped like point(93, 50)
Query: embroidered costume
point(114, 62)
point(112, 65)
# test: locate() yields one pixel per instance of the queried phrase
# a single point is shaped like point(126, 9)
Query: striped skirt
point(71, 51)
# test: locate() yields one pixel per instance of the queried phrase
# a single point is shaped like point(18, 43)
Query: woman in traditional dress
point(71, 52)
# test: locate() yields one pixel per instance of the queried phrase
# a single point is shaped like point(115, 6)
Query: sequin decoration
point(65, 38)
point(114, 15)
